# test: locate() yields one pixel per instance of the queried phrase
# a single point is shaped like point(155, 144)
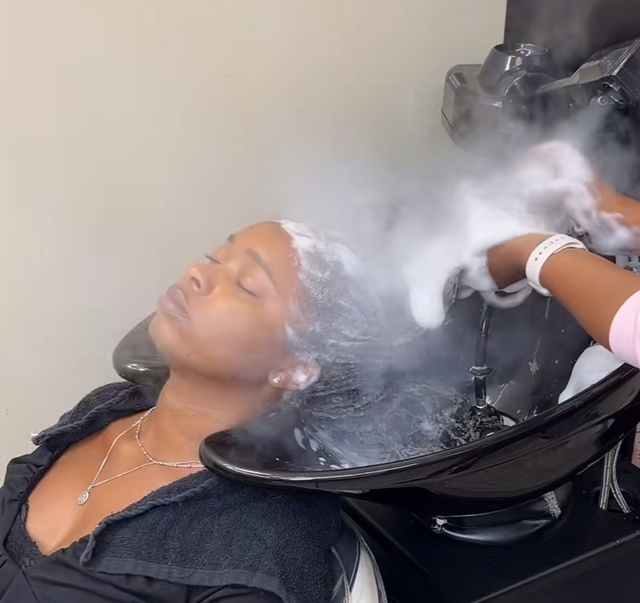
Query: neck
point(191, 408)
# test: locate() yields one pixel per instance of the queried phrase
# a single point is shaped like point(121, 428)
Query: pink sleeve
point(624, 336)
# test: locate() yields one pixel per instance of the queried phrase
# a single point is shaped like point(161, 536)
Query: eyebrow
point(258, 260)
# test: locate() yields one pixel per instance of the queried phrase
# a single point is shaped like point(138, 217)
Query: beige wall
point(136, 133)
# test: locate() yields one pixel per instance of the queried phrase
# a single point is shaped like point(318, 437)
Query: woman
point(603, 297)
point(114, 504)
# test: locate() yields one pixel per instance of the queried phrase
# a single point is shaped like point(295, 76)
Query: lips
point(174, 303)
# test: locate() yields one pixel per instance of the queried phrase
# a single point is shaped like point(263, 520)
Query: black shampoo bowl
point(532, 350)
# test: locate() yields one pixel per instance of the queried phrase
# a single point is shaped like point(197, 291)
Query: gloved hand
point(548, 190)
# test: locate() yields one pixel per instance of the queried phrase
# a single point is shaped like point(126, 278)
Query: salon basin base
point(590, 556)
point(507, 526)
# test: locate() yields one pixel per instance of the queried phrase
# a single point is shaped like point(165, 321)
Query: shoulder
point(288, 516)
point(95, 411)
point(99, 397)
point(231, 533)
point(219, 513)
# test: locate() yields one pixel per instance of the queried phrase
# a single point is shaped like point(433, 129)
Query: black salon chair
point(355, 572)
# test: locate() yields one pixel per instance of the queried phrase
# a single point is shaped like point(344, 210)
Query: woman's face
point(226, 318)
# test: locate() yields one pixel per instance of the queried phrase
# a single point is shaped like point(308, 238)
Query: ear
point(295, 377)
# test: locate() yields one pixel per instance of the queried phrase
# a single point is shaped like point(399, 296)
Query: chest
point(56, 519)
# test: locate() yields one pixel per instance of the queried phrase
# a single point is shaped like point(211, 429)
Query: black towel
point(204, 529)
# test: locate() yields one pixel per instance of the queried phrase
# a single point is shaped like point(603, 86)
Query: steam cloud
point(420, 231)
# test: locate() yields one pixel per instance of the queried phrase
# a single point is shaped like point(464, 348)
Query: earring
point(276, 380)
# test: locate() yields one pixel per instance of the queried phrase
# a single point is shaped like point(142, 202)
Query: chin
point(169, 342)
point(163, 335)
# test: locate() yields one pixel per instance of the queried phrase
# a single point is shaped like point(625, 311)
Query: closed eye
point(245, 290)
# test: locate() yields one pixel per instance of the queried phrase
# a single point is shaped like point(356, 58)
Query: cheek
point(239, 334)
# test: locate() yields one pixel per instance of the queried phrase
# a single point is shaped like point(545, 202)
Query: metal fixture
point(480, 371)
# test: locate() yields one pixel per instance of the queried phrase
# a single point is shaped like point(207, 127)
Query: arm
point(595, 291)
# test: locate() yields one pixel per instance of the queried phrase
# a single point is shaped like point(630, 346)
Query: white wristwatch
point(542, 253)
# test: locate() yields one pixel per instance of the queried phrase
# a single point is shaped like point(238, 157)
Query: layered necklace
point(84, 497)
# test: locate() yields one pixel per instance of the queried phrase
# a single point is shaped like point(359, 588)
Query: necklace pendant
point(84, 498)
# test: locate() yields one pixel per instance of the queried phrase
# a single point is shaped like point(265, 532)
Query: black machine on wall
point(557, 59)
point(523, 515)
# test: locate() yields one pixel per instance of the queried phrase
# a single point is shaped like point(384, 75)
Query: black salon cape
point(202, 539)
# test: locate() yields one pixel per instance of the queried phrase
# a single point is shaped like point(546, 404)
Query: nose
point(198, 281)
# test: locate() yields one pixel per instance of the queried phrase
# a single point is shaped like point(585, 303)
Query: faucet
point(480, 371)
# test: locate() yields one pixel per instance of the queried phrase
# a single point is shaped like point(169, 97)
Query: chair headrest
point(137, 359)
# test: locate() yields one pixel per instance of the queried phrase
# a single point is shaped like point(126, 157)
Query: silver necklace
point(84, 497)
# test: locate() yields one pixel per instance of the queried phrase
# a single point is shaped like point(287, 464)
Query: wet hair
point(355, 410)
point(343, 328)
point(361, 409)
